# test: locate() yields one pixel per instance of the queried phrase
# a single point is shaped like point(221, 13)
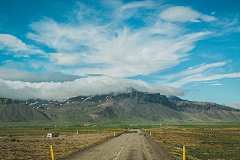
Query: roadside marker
point(150, 133)
point(114, 133)
point(145, 130)
point(124, 130)
point(51, 150)
point(184, 156)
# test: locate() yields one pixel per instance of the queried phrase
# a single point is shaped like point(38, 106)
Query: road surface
point(127, 146)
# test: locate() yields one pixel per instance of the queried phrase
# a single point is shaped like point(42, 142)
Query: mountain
point(207, 111)
point(159, 108)
point(12, 111)
point(133, 106)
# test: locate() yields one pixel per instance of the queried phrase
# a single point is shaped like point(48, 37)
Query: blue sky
point(59, 49)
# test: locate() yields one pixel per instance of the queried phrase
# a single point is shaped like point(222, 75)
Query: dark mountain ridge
point(133, 106)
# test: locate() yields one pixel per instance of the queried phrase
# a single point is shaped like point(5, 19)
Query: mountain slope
point(136, 107)
point(12, 111)
point(206, 111)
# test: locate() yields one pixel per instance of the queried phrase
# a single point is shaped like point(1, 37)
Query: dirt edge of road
point(157, 145)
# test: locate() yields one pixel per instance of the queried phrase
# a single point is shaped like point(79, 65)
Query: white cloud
point(83, 86)
point(24, 76)
point(131, 9)
point(196, 69)
point(184, 14)
point(67, 37)
point(65, 59)
point(201, 73)
point(228, 23)
point(10, 43)
point(207, 18)
point(123, 52)
point(137, 4)
point(211, 82)
point(212, 13)
point(220, 76)
point(216, 84)
point(13, 64)
point(166, 28)
point(113, 48)
point(235, 105)
point(139, 54)
point(200, 77)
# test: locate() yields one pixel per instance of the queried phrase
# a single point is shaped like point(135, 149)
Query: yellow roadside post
point(150, 133)
point(145, 130)
point(114, 133)
point(124, 130)
point(184, 156)
point(128, 128)
point(51, 150)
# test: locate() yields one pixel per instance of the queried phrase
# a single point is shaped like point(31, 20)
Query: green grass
point(216, 146)
point(209, 126)
point(201, 141)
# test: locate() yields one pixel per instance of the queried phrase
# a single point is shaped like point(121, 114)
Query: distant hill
point(134, 107)
point(12, 111)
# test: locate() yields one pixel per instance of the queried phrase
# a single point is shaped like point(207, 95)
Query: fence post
point(51, 150)
point(184, 156)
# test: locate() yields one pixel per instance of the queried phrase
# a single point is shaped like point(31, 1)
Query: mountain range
point(130, 107)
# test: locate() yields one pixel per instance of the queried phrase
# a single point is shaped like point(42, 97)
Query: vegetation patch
point(28, 143)
point(201, 142)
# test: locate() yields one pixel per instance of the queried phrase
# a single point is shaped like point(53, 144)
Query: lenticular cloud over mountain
point(141, 44)
point(84, 86)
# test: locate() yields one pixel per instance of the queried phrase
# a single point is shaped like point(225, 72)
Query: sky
point(57, 49)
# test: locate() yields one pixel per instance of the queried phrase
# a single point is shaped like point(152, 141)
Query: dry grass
point(200, 143)
point(33, 146)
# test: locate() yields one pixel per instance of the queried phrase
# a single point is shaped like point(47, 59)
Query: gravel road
point(127, 146)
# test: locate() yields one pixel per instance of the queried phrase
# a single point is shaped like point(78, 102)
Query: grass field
point(28, 142)
point(201, 141)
